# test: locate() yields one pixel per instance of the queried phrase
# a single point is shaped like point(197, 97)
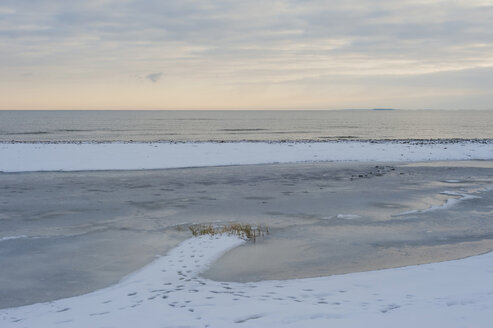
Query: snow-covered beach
point(170, 292)
point(21, 157)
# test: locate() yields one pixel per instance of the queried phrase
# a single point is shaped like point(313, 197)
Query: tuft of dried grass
point(241, 230)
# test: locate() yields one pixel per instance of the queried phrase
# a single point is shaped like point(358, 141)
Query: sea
point(242, 125)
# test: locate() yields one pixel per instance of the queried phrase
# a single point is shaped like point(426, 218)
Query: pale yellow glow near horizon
point(350, 82)
point(187, 96)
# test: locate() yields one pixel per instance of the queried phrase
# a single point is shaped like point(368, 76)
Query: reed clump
point(245, 231)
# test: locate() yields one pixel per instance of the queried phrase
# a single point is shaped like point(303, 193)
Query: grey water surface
point(274, 125)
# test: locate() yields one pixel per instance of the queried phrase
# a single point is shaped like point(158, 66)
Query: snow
point(450, 202)
point(343, 217)
point(170, 293)
point(21, 157)
point(12, 237)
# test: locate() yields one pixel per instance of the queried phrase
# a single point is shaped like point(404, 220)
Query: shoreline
point(260, 141)
point(29, 157)
point(169, 291)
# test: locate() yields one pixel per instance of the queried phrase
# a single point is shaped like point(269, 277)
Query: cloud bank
point(310, 53)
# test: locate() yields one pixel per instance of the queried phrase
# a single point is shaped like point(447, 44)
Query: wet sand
point(85, 230)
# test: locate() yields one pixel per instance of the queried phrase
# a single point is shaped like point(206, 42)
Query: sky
point(249, 54)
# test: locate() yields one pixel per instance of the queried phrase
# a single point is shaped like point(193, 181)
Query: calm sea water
point(148, 126)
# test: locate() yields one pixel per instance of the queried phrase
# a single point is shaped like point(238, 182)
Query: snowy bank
point(136, 156)
point(169, 293)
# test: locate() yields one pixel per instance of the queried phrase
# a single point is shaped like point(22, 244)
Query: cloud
point(154, 77)
point(217, 42)
point(7, 11)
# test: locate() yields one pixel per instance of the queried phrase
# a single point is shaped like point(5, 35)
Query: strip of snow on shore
point(170, 293)
point(22, 157)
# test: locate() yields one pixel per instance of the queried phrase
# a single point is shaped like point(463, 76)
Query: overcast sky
point(157, 54)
